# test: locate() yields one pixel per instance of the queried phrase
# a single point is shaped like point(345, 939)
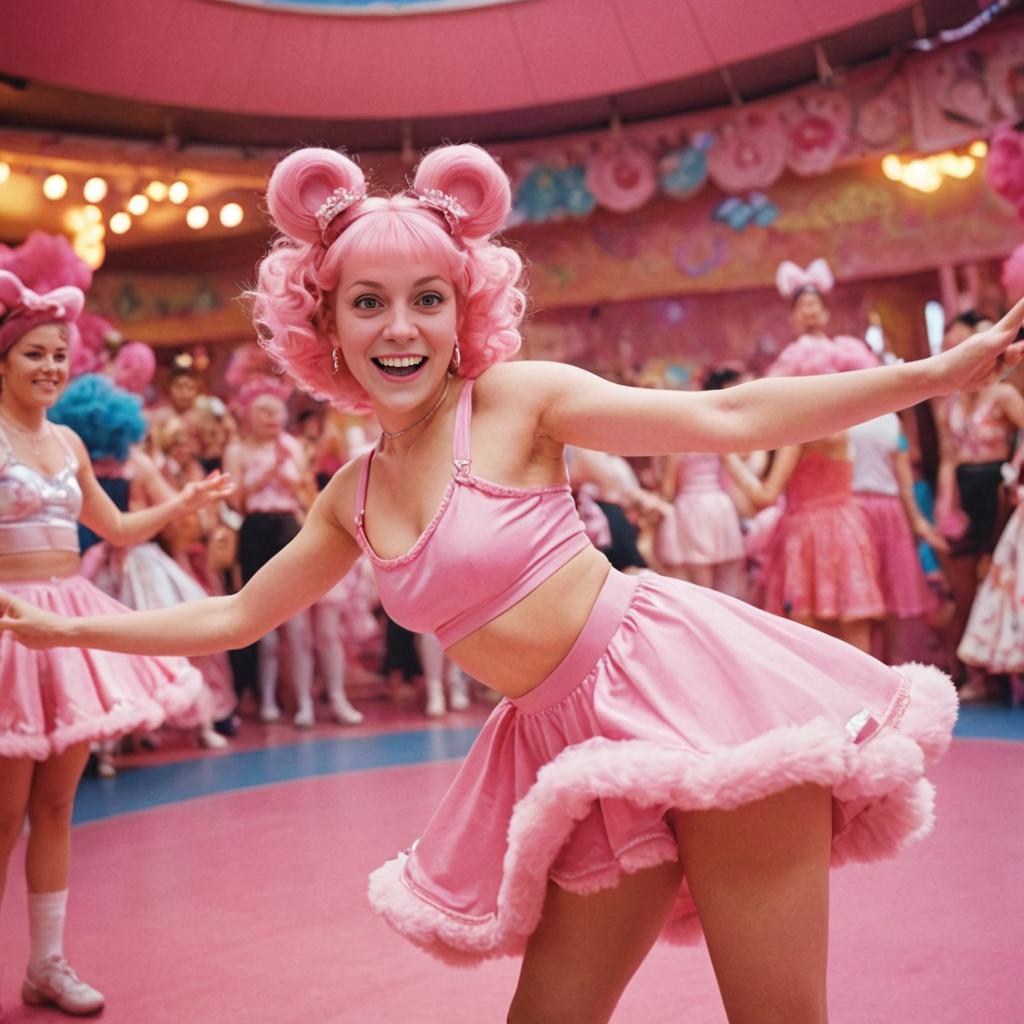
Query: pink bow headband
point(342, 199)
point(21, 309)
point(791, 279)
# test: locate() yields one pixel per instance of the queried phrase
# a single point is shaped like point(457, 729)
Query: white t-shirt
point(874, 444)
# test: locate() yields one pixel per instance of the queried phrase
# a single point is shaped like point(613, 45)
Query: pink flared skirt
point(51, 700)
point(905, 591)
point(672, 697)
point(823, 564)
point(703, 528)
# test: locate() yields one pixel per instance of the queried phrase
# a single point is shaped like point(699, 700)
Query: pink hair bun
point(302, 182)
point(473, 177)
point(809, 355)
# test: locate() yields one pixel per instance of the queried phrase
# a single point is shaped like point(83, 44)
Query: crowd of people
point(654, 717)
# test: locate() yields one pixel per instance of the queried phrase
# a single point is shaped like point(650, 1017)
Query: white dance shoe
point(304, 718)
point(435, 699)
point(210, 739)
point(344, 713)
point(269, 714)
point(458, 689)
point(56, 984)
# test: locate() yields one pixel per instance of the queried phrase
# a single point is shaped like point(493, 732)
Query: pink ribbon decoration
point(790, 278)
point(21, 309)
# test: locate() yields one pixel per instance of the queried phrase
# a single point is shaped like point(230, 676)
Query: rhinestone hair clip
point(337, 202)
point(445, 204)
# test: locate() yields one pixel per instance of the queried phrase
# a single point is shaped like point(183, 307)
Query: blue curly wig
point(108, 420)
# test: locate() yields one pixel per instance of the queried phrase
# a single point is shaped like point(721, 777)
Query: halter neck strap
point(463, 417)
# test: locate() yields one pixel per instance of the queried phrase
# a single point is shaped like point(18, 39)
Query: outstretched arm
point(122, 529)
point(304, 571)
point(575, 407)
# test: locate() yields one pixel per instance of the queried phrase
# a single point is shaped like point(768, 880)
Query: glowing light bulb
point(978, 149)
point(5, 171)
point(197, 217)
point(157, 191)
point(93, 214)
point(95, 190)
point(94, 255)
point(921, 175)
point(892, 168)
point(138, 204)
point(231, 215)
point(120, 223)
point(178, 192)
point(55, 186)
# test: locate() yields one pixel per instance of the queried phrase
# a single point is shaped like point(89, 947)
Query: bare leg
point(857, 634)
point(50, 802)
point(962, 575)
point(701, 575)
point(759, 877)
point(331, 654)
point(267, 671)
point(15, 784)
point(586, 948)
point(731, 578)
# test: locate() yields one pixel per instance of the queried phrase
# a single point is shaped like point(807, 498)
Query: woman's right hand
point(32, 626)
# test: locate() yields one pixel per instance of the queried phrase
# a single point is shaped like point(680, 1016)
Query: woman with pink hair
point(642, 769)
point(54, 704)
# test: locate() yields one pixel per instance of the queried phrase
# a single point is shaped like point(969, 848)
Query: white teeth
point(400, 361)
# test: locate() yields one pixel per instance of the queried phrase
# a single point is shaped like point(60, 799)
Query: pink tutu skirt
point(703, 528)
point(905, 591)
point(51, 700)
point(144, 576)
point(673, 696)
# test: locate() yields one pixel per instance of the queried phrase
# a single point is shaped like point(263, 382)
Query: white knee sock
point(46, 912)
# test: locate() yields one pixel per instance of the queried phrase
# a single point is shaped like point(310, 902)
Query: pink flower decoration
point(818, 132)
point(1013, 274)
point(749, 152)
point(1005, 166)
point(622, 178)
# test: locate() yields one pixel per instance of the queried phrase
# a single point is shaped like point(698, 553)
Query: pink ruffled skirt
point(703, 528)
point(51, 700)
point(823, 563)
point(673, 696)
point(905, 591)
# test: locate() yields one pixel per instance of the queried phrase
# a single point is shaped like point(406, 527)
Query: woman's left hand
point(983, 358)
point(30, 625)
point(200, 493)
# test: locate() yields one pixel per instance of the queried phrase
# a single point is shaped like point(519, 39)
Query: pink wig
point(247, 361)
point(297, 277)
point(257, 387)
point(134, 367)
point(44, 262)
point(809, 355)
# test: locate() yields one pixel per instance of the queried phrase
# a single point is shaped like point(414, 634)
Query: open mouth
point(399, 366)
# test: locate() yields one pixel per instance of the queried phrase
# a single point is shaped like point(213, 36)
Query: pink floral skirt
point(673, 696)
point(51, 700)
point(823, 563)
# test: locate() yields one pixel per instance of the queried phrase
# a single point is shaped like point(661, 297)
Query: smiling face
point(35, 368)
point(396, 325)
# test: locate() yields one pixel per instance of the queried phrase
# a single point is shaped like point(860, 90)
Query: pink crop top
point(38, 512)
point(486, 548)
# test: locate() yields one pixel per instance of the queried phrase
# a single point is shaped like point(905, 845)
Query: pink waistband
point(16, 538)
point(600, 627)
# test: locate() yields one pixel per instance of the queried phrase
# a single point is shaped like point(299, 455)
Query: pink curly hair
point(256, 387)
point(296, 278)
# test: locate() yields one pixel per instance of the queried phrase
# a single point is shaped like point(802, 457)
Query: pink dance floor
point(250, 906)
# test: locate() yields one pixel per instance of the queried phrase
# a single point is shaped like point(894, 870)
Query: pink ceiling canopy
point(265, 61)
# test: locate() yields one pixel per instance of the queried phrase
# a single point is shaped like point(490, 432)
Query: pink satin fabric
point(486, 548)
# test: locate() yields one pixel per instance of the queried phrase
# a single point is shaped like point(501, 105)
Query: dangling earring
point(335, 361)
point(453, 366)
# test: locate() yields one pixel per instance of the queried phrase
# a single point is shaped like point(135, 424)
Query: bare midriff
point(23, 566)
point(524, 644)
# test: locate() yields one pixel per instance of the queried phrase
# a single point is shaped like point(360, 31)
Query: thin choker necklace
point(423, 419)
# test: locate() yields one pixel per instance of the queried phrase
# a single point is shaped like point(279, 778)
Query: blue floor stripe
point(141, 788)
